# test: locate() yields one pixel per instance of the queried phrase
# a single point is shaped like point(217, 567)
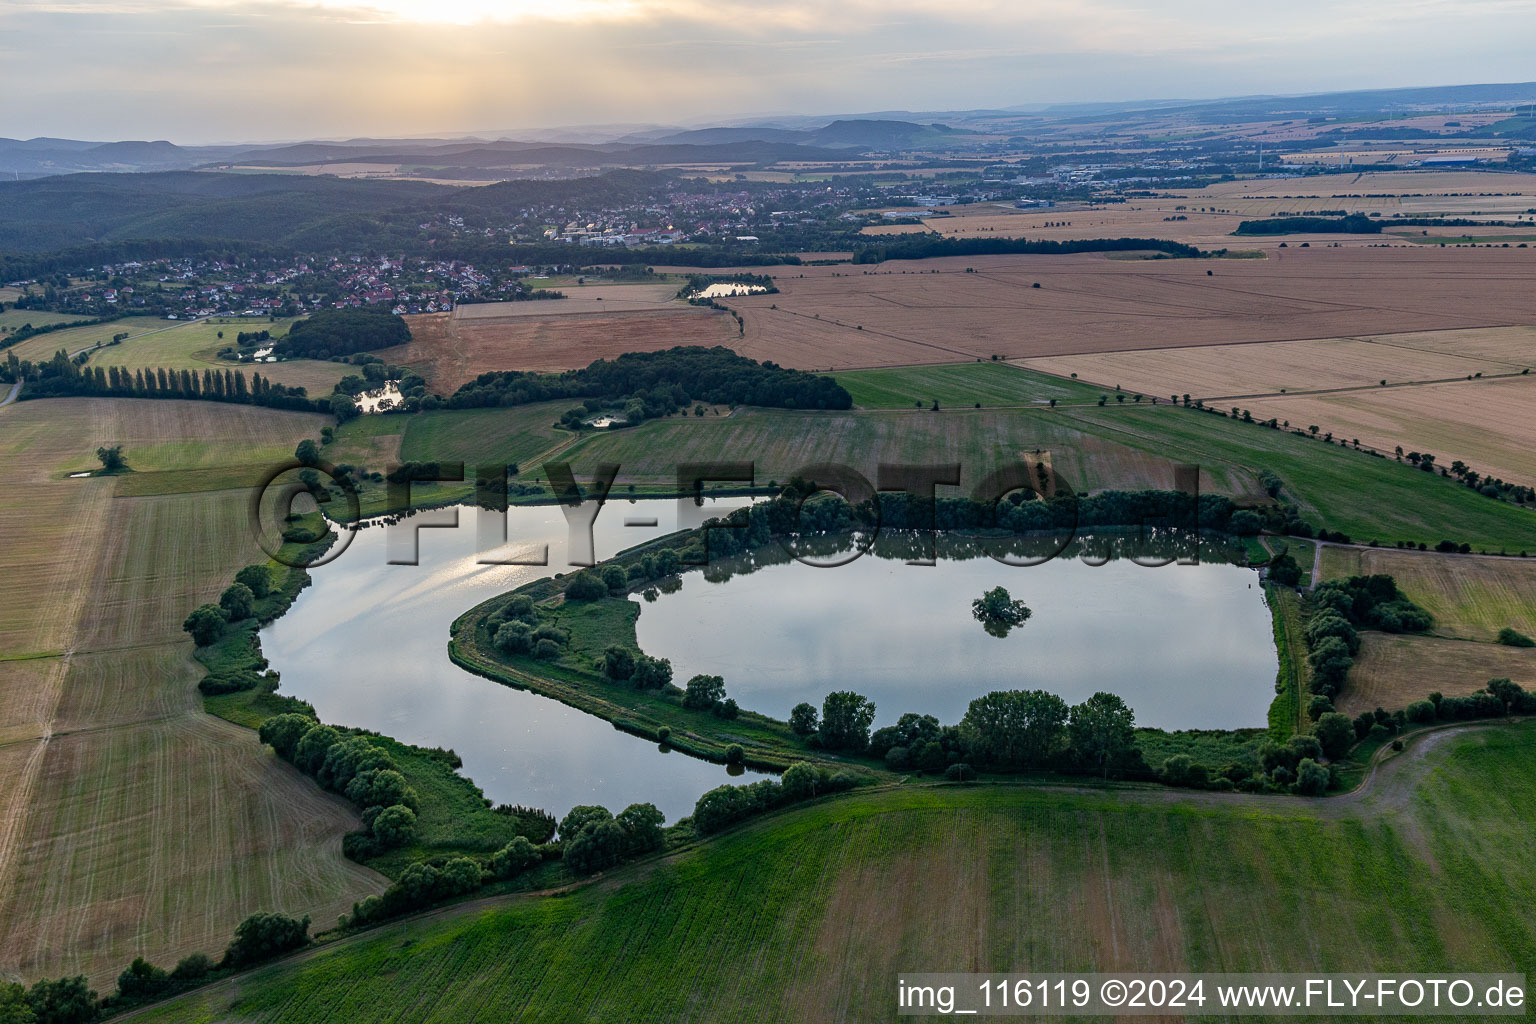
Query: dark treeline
point(341, 332)
point(926, 246)
point(1353, 224)
point(648, 384)
point(61, 376)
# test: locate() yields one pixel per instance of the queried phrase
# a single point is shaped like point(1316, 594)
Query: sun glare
point(470, 12)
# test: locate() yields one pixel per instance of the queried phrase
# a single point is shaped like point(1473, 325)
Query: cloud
point(280, 69)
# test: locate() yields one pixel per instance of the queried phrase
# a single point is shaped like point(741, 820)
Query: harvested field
point(1393, 671)
point(930, 311)
point(1471, 598)
point(450, 351)
point(583, 300)
point(133, 823)
point(1485, 423)
point(1220, 371)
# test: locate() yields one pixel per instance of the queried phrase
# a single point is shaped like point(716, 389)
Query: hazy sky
point(236, 70)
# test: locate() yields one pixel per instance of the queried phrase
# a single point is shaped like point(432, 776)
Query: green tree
point(257, 578)
point(14, 1008)
point(237, 602)
point(650, 673)
point(1312, 779)
point(1015, 728)
point(63, 1001)
point(142, 979)
point(703, 692)
point(192, 967)
point(395, 826)
point(206, 624)
point(845, 720)
point(307, 452)
point(515, 637)
point(618, 662)
point(998, 612)
point(1513, 638)
point(1336, 734)
point(802, 719)
point(585, 586)
point(800, 780)
point(615, 577)
point(111, 458)
point(642, 827)
point(265, 935)
point(316, 742)
point(381, 787)
point(1102, 733)
point(283, 732)
point(516, 857)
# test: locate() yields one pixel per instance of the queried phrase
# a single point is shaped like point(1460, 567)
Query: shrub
point(1306, 746)
point(1312, 779)
point(394, 826)
point(516, 857)
point(1421, 711)
point(618, 662)
point(256, 578)
point(799, 781)
point(1183, 770)
point(615, 578)
point(193, 967)
point(1511, 638)
point(283, 732)
point(265, 935)
point(546, 650)
point(514, 638)
point(142, 980)
point(316, 742)
point(651, 673)
point(205, 624)
point(734, 754)
point(585, 586)
point(703, 692)
point(1317, 706)
point(959, 773)
point(1335, 733)
point(237, 602)
point(727, 709)
point(519, 606)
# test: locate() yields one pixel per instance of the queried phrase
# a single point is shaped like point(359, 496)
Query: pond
point(367, 644)
point(380, 399)
point(1187, 646)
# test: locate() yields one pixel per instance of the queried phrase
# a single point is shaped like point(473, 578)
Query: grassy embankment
point(454, 815)
point(808, 914)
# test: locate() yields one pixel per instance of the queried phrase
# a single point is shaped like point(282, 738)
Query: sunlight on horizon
point(471, 12)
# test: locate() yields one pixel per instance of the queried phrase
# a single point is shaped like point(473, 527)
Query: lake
point(367, 644)
point(1187, 646)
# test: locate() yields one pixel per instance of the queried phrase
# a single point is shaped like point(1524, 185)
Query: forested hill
point(286, 210)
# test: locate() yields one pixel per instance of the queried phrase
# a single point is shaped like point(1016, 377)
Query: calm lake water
point(367, 644)
point(1187, 646)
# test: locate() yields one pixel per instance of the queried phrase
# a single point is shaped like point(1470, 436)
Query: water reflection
point(366, 644)
point(1188, 646)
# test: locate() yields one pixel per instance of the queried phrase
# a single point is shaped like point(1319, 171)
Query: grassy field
point(959, 384)
point(131, 821)
point(798, 916)
point(13, 319)
point(193, 346)
point(43, 346)
point(1117, 447)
